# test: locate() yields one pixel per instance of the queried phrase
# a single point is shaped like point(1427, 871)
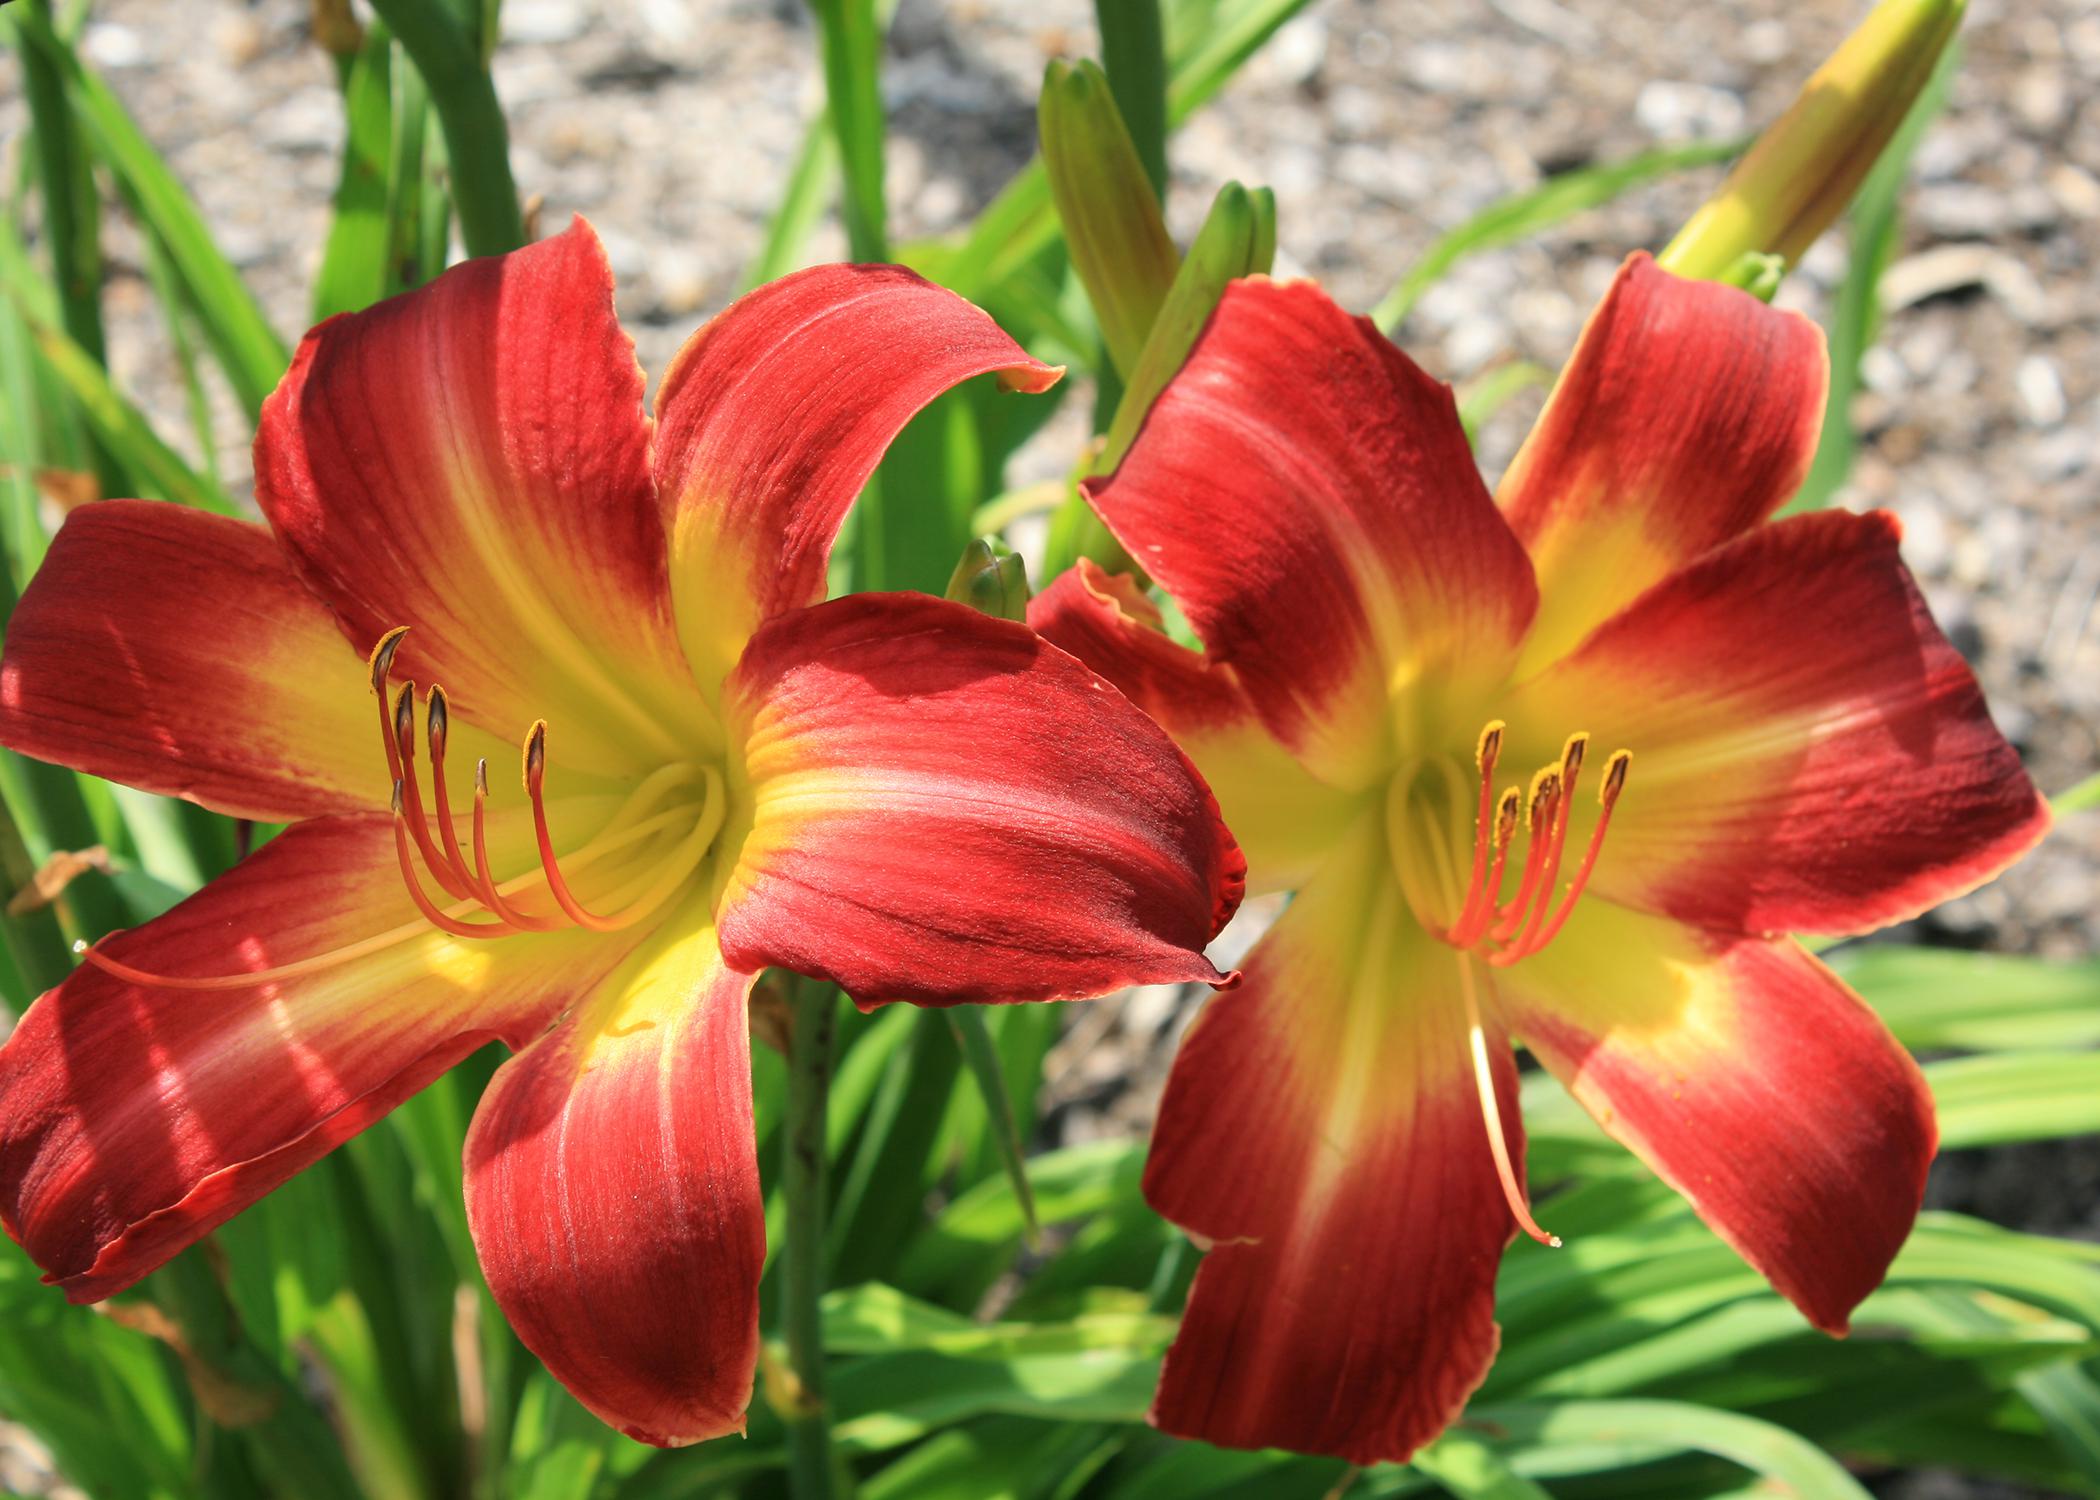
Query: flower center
point(1465, 909)
point(1470, 914)
point(660, 837)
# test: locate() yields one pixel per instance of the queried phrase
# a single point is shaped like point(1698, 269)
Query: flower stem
point(808, 1423)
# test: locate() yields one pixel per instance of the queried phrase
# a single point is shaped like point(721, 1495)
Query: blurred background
point(1380, 125)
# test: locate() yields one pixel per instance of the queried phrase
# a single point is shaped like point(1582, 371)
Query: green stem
point(1134, 55)
point(71, 218)
point(851, 37)
point(477, 143)
point(807, 1417)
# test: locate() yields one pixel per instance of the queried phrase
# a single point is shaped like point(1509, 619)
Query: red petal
point(1283, 816)
point(946, 808)
point(472, 460)
point(1751, 1080)
point(135, 1120)
point(612, 1188)
point(1307, 494)
point(1809, 753)
point(773, 417)
point(176, 651)
point(1321, 1125)
point(1689, 413)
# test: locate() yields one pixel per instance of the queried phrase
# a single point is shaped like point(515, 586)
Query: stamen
point(626, 830)
point(1484, 756)
point(438, 723)
point(535, 786)
point(485, 887)
point(381, 663)
point(1545, 797)
point(1468, 933)
point(443, 921)
point(410, 794)
point(1607, 797)
point(676, 870)
point(1491, 1112)
point(1570, 770)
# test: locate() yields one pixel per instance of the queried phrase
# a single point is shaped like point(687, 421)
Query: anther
point(437, 730)
point(1607, 798)
point(1545, 797)
point(410, 792)
point(381, 664)
point(1480, 892)
point(1570, 771)
point(1524, 924)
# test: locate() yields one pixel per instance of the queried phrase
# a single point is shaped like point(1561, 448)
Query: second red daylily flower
point(1555, 771)
point(720, 772)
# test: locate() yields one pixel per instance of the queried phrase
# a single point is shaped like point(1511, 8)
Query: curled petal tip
point(1030, 380)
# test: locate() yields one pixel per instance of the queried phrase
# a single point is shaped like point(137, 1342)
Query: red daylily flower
point(1730, 728)
point(721, 772)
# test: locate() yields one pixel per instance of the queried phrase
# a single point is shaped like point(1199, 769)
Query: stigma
point(1506, 932)
point(660, 837)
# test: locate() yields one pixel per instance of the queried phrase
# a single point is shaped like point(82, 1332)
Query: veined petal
point(1809, 753)
point(472, 460)
point(938, 806)
point(1751, 1080)
point(1285, 818)
point(177, 652)
point(135, 1119)
point(1322, 1126)
point(773, 417)
point(1307, 494)
point(1688, 413)
point(612, 1189)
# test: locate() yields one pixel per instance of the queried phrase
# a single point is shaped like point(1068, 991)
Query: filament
point(475, 893)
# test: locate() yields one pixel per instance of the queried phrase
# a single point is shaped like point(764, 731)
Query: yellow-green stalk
point(1118, 240)
point(1801, 173)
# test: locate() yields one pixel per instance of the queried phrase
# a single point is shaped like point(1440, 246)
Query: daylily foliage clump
point(624, 757)
point(1557, 766)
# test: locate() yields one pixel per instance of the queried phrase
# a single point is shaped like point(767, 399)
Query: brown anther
point(1506, 818)
point(481, 776)
point(440, 724)
point(1490, 747)
point(1536, 935)
point(1614, 776)
point(405, 721)
point(382, 660)
point(536, 757)
point(1545, 796)
point(396, 804)
point(1571, 756)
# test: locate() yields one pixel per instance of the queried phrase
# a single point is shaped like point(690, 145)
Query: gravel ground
point(1380, 124)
